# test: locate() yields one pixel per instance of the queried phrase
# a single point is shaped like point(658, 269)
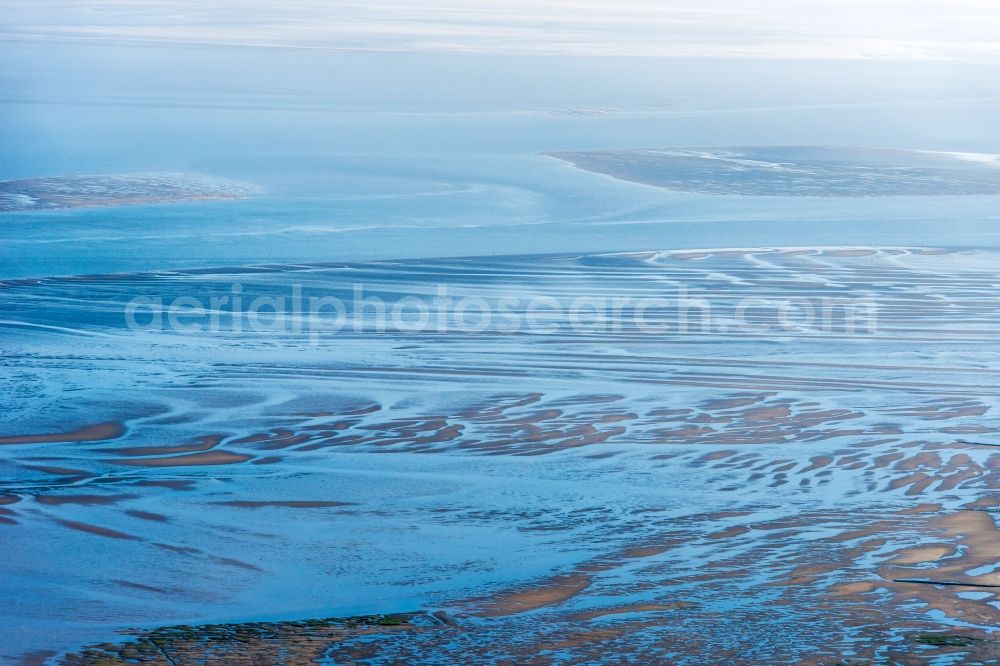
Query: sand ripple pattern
point(665, 494)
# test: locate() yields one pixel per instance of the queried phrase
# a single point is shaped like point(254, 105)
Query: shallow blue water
point(365, 156)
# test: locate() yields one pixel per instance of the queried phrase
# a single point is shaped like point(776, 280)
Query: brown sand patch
point(554, 591)
point(967, 430)
point(639, 552)
point(969, 533)
point(729, 532)
point(817, 462)
point(924, 459)
point(251, 439)
point(203, 444)
point(97, 530)
point(922, 554)
point(922, 508)
point(91, 433)
point(986, 502)
point(853, 589)
point(193, 460)
point(84, 500)
point(807, 574)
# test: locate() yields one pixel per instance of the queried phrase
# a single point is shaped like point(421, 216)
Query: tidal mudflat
point(302, 642)
point(814, 494)
point(798, 171)
point(423, 394)
point(98, 191)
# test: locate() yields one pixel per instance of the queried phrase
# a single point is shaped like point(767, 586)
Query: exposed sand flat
point(92, 433)
point(805, 171)
point(193, 459)
point(203, 444)
point(806, 491)
point(99, 191)
point(818, 564)
point(550, 592)
point(510, 426)
point(923, 554)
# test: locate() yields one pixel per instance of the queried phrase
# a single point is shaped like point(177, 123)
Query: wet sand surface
point(801, 496)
